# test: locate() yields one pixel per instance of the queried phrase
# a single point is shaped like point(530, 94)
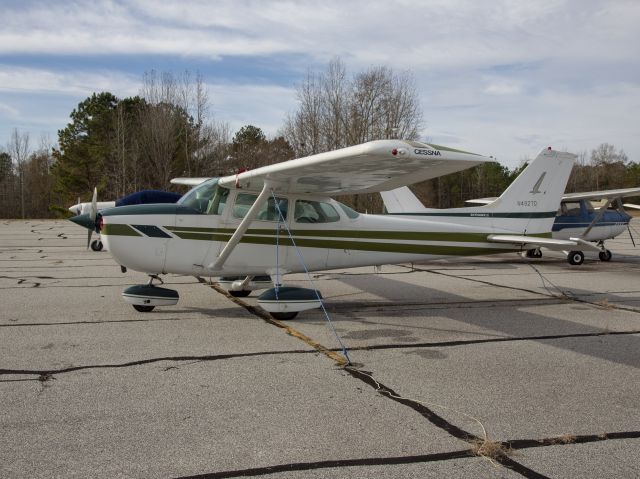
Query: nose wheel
point(605, 255)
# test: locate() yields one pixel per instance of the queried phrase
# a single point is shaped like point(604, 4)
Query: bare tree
point(18, 148)
point(335, 112)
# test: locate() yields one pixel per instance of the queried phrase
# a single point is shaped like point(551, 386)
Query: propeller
point(633, 207)
point(93, 212)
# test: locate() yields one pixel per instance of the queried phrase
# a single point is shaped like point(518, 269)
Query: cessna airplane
point(137, 198)
point(280, 219)
point(576, 218)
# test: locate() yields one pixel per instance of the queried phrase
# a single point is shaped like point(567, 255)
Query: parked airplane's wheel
point(243, 293)
point(575, 258)
point(142, 308)
point(534, 253)
point(605, 255)
point(284, 316)
point(96, 245)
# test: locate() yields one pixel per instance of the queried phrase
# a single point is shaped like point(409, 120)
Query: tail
point(527, 206)
point(539, 188)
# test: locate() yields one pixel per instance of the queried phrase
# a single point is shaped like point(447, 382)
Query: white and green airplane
point(281, 219)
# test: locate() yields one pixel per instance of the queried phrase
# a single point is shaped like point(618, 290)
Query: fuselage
point(186, 238)
point(575, 217)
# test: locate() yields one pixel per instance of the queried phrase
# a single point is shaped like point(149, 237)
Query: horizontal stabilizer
point(401, 200)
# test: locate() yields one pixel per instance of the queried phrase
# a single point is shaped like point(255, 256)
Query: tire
point(532, 253)
point(96, 245)
point(142, 308)
point(605, 255)
point(243, 293)
point(575, 258)
point(284, 316)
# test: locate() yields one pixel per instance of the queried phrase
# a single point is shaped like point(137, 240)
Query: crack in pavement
point(46, 374)
point(381, 389)
point(338, 463)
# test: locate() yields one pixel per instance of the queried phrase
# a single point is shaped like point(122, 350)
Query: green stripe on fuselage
point(543, 214)
point(115, 229)
point(319, 239)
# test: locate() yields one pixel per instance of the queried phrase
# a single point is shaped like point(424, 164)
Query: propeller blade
point(94, 205)
point(630, 235)
point(93, 212)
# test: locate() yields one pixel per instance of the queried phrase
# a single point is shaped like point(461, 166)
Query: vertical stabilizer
point(539, 188)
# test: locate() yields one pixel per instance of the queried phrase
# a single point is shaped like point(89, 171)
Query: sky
point(504, 78)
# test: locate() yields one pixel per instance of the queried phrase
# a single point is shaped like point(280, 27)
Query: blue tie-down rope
point(281, 219)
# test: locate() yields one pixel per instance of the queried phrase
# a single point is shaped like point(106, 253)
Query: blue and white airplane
point(577, 219)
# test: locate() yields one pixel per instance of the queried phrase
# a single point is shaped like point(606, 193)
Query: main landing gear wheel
point(142, 308)
point(284, 316)
point(575, 257)
point(605, 255)
point(534, 253)
point(96, 245)
point(243, 293)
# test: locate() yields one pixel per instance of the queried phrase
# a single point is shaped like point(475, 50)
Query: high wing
point(188, 181)
point(586, 195)
point(370, 167)
point(602, 195)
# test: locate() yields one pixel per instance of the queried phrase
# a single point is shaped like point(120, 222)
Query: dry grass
point(605, 304)
point(565, 439)
point(492, 450)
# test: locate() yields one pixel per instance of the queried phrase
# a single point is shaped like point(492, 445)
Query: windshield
point(207, 197)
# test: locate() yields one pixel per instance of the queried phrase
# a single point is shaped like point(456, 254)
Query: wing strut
point(598, 217)
point(242, 228)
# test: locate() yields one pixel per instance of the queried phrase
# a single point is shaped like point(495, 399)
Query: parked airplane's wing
point(371, 167)
point(601, 195)
point(188, 181)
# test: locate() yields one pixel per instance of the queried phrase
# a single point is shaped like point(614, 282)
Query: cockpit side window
point(571, 208)
point(208, 197)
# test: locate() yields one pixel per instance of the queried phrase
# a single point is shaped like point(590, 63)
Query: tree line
point(141, 142)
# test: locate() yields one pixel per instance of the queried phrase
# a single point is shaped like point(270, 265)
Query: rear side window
point(315, 212)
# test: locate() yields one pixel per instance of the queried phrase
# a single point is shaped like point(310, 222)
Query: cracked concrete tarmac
point(533, 364)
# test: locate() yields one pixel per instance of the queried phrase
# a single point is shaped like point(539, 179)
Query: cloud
point(74, 83)
point(8, 110)
point(496, 78)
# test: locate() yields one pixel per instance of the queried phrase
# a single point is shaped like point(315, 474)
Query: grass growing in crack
point(491, 450)
point(605, 304)
point(565, 439)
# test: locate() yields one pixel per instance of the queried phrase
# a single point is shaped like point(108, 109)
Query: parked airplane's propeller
point(92, 214)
